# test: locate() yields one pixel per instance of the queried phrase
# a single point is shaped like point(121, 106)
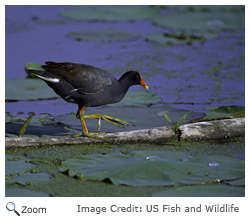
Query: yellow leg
point(115, 121)
point(84, 127)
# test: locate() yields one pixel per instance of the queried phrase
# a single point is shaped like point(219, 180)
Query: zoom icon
point(11, 207)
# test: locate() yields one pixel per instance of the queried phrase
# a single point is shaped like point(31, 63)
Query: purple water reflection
point(187, 77)
point(241, 156)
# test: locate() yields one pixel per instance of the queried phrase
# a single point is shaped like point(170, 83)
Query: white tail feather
point(54, 80)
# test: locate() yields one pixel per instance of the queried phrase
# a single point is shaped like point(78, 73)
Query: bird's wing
point(85, 79)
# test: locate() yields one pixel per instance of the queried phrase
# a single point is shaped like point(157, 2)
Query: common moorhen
point(88, 86)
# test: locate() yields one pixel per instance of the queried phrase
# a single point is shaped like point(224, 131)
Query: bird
point(88, 86)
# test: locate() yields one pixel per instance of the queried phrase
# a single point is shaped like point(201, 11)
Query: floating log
point(208, 130)
point(213, 130)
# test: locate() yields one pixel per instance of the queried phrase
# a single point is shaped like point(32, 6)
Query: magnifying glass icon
point(11, 207)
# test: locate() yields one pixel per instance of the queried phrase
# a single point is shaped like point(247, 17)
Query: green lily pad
point(153, 168)
point(203, 191)
point(37, 130)
point(141, 117)
point(42, 125)
point(179, 38)
point(43, 118)
point(223, 111)
point(32, 66)
point(30, 178)
point(20, 89)
point(201, 8)
point(108, 13)
point(16, 164)
point(138, 98)
point(213, 21)
point(104, 35)
point(22, 192)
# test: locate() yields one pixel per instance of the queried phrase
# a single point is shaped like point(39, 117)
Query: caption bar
point(159, 208)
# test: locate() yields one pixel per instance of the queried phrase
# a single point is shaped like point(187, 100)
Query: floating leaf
point(20, 89)
point(201, 8)
point(30, 178)
point(42, 125)
point(38, 130)
point(138, 98)
point(186, 38)
point(141, 117)
point(223, 111)
point(16, 164)
point(108, 13)
point(22, 192)
point(104, 35)
point(136, 170)
point(203, 191)
point(212, 21)
point(32, 66)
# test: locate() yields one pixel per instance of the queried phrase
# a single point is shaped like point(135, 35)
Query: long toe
point(95, 135)
point(116, 121)
point(92, 135)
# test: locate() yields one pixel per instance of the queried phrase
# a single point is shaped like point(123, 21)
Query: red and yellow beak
point(143, 83)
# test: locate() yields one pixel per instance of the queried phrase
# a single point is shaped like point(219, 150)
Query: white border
point(67, 207)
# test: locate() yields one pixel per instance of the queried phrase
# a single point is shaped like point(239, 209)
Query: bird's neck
point(125, 83)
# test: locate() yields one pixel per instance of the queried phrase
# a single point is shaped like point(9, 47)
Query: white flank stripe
point(54, 80)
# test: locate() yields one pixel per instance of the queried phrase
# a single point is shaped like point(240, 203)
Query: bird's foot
point(115, 121)
point(92, 135)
